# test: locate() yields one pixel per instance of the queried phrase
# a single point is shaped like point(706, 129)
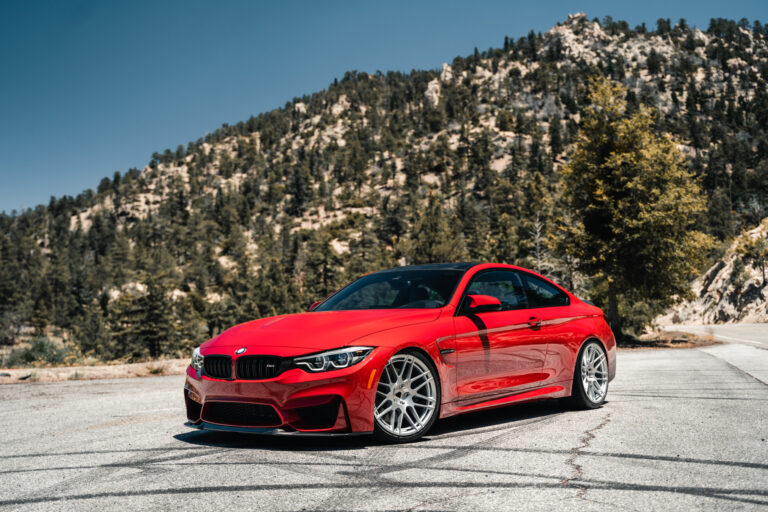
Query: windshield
point(415, 288)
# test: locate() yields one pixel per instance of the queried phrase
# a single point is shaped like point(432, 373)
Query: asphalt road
point(683, 429)
point(748, 334)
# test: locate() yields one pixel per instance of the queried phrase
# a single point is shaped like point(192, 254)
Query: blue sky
point(91, 87)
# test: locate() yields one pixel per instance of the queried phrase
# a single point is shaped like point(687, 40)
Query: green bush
point(42, 350)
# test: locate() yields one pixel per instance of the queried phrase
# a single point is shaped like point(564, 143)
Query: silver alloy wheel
point(406, 396)
point(594, 373)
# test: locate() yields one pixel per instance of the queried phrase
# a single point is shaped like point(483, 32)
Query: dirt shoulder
point(669, 339)
point(116, 371)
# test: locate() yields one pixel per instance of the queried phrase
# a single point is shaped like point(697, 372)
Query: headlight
point(197, 359)
point(332, 359)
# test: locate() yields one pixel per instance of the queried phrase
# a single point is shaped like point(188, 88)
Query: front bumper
point(295, 402)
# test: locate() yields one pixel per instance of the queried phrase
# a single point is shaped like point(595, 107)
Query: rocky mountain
point(730, 291)
point(460, 162)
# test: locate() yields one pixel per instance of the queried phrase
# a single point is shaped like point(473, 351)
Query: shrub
point(41, 350)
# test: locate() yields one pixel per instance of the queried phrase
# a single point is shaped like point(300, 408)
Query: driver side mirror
point(314, 305)
point(474, 304)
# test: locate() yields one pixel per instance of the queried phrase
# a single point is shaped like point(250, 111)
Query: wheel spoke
point(408, 417)
point(416, 421)
point(424, 397)
point(410, 373)
point(388, 370)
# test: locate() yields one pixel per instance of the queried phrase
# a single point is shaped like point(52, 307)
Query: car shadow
point(498, 418)
point(466, 424)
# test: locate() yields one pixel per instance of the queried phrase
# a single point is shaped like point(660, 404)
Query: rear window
point(542, 294)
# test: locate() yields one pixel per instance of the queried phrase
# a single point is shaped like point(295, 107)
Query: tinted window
point(396, 289)
point(541, 294)
point(505, 285)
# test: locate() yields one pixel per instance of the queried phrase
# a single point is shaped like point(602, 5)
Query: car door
point(497, 352)
point(549, 307)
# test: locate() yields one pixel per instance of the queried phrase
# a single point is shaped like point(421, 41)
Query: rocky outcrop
point(726, 293)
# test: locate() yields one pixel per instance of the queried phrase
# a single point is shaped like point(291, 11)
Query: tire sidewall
point(385, 436)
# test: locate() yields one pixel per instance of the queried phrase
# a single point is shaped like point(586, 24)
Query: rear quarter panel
point(584, 322)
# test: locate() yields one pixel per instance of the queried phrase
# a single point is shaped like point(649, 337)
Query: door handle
point(534, 323)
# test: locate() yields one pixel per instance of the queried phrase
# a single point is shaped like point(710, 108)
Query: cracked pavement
point(682, 429)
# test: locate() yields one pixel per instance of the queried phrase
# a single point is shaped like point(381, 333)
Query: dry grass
point(158, 369)
point(668, 339)
point(112, 371)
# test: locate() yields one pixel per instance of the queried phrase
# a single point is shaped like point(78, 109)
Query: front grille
point(259, 367)
point(241, 415)
point(218, 367)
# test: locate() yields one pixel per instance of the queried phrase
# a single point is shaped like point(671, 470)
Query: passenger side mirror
point(314, 305)
point(474, 304)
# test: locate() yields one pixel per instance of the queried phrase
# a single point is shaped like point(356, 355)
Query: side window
point(505, 285)
point(542, 294)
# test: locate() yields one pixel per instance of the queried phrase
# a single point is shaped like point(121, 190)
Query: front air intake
point(259, 367)
point(193, 408)
point(218, 367)
point(241, 414)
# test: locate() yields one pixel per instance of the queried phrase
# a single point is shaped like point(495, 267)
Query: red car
point(394, 350)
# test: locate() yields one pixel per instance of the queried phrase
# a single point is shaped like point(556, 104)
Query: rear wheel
point(407, 398)
point(590, 377)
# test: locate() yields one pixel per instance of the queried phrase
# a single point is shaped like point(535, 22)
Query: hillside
point(458, 163)
point(730, 291)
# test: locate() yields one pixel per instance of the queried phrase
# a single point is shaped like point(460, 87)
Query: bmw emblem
point(240, 350)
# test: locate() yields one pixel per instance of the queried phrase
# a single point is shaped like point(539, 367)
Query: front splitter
point(269, 431)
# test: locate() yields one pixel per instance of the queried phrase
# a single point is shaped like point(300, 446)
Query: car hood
point(313, 331)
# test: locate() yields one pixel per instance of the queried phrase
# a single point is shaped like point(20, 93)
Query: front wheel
point(407, 398)
point(590, 377)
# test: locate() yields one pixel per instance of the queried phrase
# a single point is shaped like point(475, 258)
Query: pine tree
point(555, 137)
point(91, 332)
point(433, 239)
point(637, 205)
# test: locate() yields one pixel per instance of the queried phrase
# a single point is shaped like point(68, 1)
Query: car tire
point(407, 401)
point(590, 377)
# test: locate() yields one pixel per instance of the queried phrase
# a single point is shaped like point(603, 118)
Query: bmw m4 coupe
point(395, 350)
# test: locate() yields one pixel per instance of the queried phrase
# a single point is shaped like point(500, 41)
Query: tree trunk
point(613, 314)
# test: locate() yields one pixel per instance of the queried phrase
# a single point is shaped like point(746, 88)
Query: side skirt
point(555, 390)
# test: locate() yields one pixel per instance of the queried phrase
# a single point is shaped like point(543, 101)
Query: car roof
point(464, 266)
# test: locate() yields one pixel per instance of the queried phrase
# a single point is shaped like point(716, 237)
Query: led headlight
point(332, 359)
point(197, 359)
